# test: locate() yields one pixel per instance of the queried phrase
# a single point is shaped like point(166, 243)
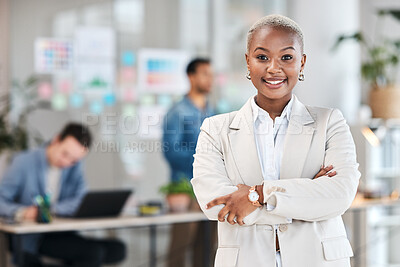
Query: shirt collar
point(188, 101)
point(257, 111)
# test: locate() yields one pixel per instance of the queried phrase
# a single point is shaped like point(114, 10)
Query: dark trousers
point(189, 237)
point(75, 250)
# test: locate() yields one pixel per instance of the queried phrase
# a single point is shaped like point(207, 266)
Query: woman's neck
point(274, 107)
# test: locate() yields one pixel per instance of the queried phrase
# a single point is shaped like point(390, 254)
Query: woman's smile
point(274, 83)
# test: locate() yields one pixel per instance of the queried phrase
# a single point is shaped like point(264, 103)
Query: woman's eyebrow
point(283, 49)
point(261, 48)
point(288, 48)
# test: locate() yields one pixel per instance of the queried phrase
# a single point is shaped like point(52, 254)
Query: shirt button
point(283, 227)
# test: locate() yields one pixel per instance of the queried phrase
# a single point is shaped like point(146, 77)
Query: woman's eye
point(287, 57)
point(261, 57)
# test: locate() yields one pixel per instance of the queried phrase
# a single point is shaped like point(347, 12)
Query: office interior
point(127, 34)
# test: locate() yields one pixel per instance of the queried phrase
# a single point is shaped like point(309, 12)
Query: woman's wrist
point(260, 192)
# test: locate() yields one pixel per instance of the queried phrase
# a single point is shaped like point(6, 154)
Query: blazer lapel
point(243, 146)
point(297, 141)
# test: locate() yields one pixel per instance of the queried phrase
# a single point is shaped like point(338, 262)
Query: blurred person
point(181, 129)
point(55, 169)
point(277, 175)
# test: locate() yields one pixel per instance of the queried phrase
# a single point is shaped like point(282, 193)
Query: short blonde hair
point(276, 21)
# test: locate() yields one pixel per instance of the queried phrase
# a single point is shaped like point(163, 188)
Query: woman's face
point(275, 60)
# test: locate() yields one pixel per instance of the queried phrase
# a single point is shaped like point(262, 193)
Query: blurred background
point(119, 65)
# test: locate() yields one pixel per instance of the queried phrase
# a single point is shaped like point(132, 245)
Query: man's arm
point(11, 187)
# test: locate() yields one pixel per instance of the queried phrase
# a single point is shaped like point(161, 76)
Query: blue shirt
point(181, 130)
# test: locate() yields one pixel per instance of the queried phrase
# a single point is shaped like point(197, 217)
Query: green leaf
point(395, 14)
point(357, 36)
point(182, 186)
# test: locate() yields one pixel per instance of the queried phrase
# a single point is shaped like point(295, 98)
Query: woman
point(255, 169)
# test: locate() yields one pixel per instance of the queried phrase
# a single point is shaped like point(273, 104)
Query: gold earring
point(248, 75)
point(301, 76)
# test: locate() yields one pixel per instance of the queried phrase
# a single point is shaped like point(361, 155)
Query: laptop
point(102, 203)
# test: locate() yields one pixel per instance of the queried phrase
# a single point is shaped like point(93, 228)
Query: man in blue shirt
point(181, 130)
point(182, 122)
point(54, 169)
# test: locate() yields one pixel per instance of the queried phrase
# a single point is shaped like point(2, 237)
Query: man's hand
point(236, 204)
point(31, 213)
point(325, 171)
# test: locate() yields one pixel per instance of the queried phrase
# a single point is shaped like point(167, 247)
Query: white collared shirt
point(270, 137)
point(53, 177)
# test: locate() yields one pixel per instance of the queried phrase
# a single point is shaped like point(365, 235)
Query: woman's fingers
point(325, 171)
point(321, 172)
point(231, 218)
point(239, 220)
point(222, 213)
point(215, 202)
point(331, 174)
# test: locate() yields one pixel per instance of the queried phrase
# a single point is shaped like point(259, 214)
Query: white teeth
point(274, 82)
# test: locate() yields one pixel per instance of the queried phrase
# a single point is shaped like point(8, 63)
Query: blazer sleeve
point(210, 179)
point(325, 197)
point(10, 187)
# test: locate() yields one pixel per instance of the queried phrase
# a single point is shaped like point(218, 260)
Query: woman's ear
point(303, 61)
point(247, 61)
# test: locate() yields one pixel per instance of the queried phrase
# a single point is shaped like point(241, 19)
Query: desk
point(68, 224)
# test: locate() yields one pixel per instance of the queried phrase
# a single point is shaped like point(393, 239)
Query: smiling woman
point(277, 174)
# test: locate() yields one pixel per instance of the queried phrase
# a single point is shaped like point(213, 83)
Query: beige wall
point(4, 67)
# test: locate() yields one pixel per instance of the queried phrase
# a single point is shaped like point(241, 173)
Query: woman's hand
point(325, 171)
point(236, 204)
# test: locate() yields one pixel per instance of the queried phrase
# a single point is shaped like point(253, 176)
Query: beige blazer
point(226, 155)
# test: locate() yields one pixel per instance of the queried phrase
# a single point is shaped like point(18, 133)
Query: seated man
point(55, 169)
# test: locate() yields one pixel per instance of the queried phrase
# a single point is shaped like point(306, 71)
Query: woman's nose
point(273, 67)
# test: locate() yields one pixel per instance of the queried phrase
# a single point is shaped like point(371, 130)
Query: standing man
point(55, 169)
point(181, 130)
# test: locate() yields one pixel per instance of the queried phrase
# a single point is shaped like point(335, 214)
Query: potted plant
point(379, 70)
point(14, 133)
point(179, 195)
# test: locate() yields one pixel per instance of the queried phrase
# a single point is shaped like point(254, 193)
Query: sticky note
point(147, 100)
point(109, 99)
point(223, 106)
point(128, 58)
point(45, 90)
point(96, 107)
point(165, 100)
point(128, 110)
point(59, 102)
point(128, 75)
point(65, 86)
point(76, 100)
point(128, 95)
